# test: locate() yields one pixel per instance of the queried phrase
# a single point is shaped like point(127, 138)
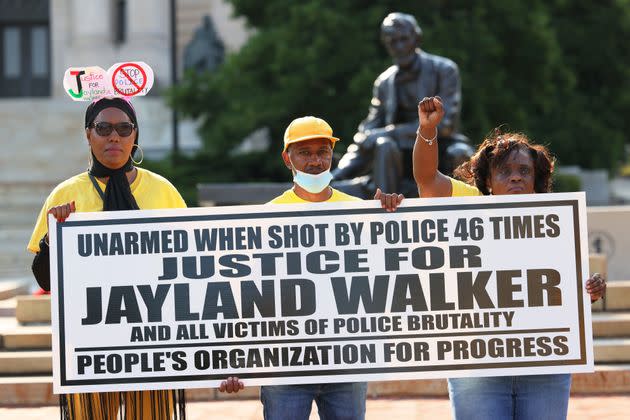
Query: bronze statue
point(380, 156)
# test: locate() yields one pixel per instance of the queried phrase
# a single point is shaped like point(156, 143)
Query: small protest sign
point(86, 83)
point(131, 79)
point(127, 79)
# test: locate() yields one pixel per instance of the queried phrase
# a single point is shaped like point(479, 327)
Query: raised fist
point(430, 112)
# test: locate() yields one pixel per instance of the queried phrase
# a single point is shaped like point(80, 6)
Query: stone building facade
point(42, 140)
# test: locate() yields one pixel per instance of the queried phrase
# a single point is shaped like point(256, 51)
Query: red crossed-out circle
point(120, 69)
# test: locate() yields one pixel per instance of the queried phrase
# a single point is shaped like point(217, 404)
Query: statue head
point(401, 35)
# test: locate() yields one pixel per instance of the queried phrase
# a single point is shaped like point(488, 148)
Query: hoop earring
point(90, 161)
point(141, 152)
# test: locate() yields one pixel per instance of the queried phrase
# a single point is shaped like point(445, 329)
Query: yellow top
point(150, 190)
point(461, 189)
point(290, 197)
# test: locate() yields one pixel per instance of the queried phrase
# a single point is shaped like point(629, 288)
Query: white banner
point(334, 292)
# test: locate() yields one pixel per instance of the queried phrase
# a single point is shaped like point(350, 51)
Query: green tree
point(592, 125)
point(307, 58)
point(557, 70)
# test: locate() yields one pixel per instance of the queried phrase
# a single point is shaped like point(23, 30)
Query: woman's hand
point(596, 287)
point(61, 213)
point(231, 385)
point(430, 113)
point(389, 202)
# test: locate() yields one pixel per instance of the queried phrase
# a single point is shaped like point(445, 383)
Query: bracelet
point(428, 141)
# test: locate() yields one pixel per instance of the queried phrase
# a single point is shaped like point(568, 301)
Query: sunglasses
point(124, 129)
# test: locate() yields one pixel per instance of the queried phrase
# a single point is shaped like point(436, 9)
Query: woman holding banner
point(505, 163)
point(112, 182)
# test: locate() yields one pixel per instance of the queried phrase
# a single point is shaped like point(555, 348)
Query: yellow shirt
point(461, 189)
point(150, 190)
point(290, 197)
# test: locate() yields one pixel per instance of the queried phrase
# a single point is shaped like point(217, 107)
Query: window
point(39, 51)
point(24, 48)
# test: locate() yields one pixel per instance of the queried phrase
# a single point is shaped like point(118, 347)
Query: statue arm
point(376, 112)
point(357, 159)
point(373, 126)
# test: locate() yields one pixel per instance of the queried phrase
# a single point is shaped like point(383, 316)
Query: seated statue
point(381, 154)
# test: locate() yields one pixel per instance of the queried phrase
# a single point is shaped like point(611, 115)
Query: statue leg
point(357, 187)
point(387, 171)
point(353, 163)
point(350, 175)
point(454, 151)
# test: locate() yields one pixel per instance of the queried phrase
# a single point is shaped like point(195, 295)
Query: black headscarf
point(117, 193)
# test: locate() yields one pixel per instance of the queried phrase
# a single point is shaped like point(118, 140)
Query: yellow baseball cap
point(307, 128)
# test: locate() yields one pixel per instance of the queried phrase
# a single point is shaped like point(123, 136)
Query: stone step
point(20, 268)
point(611, 324)
point(618, 295)
point(33, 390)
point(14, 240)
point(33, 157)
point(13, 288)
point(28, 195)
point(26, 362)
point(15, 259)
point(16, 266)
point(607, 378)
point(19, 254)
point(8, 260)
point(31, 309)
point(612, 350)
point(36, 390)
point(26, 337)
point(18, 217)
point(7, 307)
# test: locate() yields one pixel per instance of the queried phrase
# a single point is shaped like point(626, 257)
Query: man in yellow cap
point(308, 149)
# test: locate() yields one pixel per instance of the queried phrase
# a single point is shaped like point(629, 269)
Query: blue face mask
point(312, 183)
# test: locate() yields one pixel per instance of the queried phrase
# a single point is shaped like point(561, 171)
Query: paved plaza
point(597, 407)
